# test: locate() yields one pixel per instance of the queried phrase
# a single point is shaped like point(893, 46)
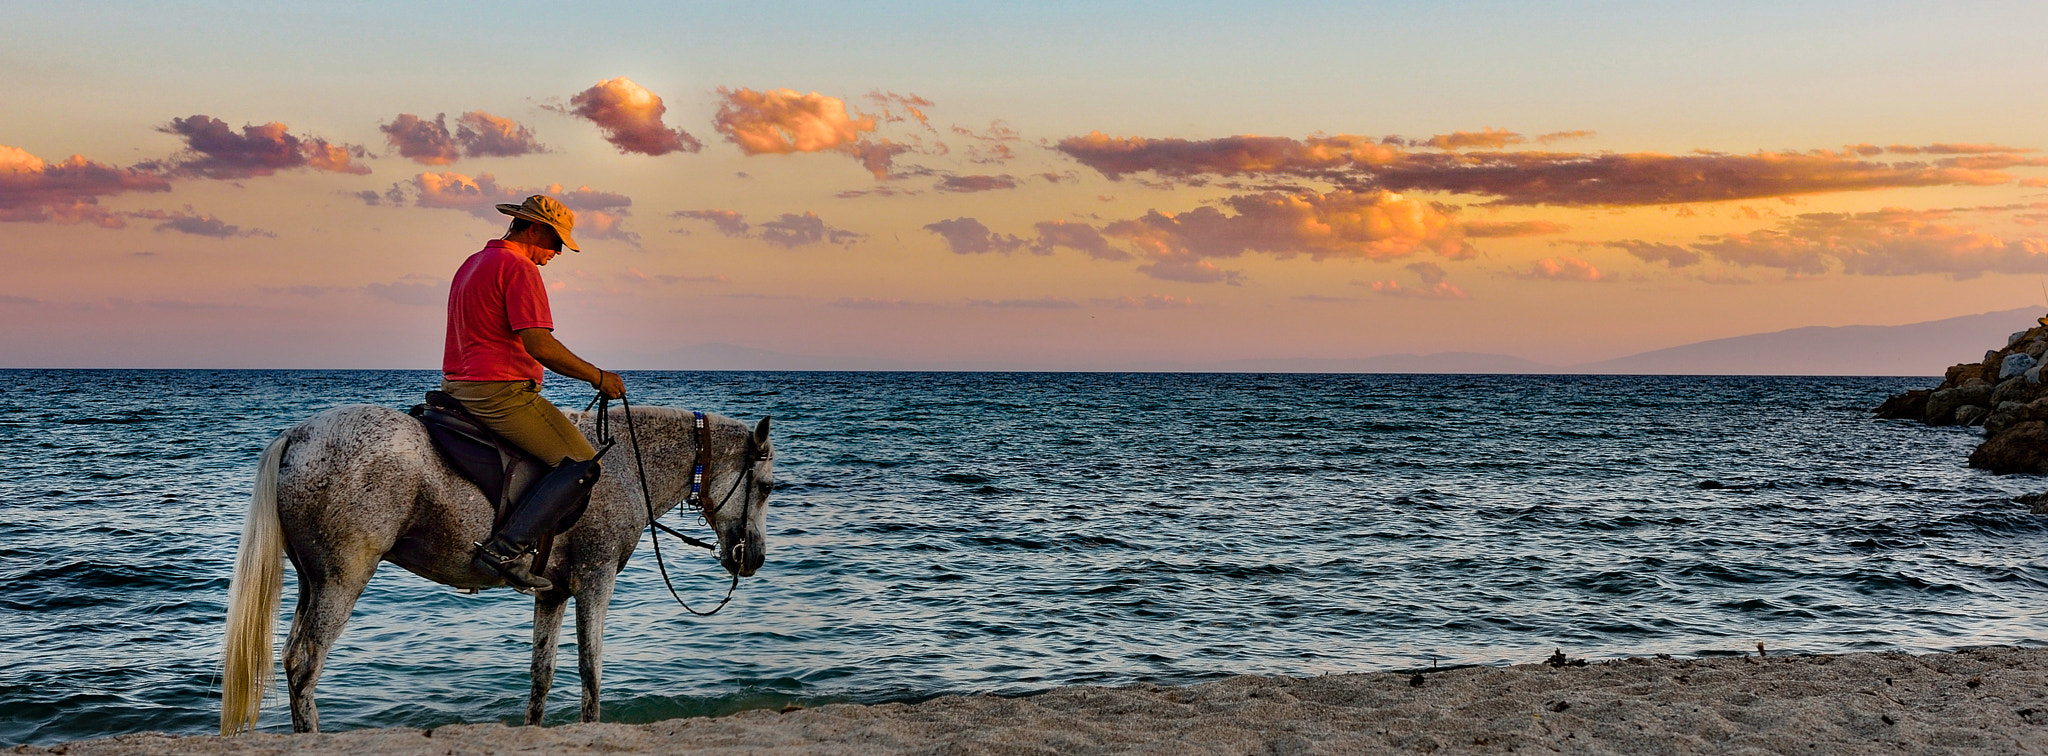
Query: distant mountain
point(1904, 350)
point(1907, 350)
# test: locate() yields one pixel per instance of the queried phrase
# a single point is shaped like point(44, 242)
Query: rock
point(1970, 414)
point(2023, 448)
point(1993, 360)
point(1941, 405)
point(2004, 416)
point(1957, 374)
point(2014, 338)
point(1911, 405)
point(2014, 365)
point(2017, 390)
point(2037, 349)
point(2036, 503)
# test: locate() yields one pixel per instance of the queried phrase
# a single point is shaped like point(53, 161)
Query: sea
point(1007, 533)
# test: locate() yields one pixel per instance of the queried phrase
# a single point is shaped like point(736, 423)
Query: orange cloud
point(991, 145)
point(630, 117)
point(780, 121)
point(1077, 236)
point(1670, 254)
point(215, 151)
point(1487, 137)
point(1890, 242)
point(1559, 136)
point(1369, 225)
point(911, 104)
point(32, 191)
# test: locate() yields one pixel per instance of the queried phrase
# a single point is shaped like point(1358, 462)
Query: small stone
point(1416, 681)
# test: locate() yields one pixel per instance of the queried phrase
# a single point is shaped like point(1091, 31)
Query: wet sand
point(1991, 701)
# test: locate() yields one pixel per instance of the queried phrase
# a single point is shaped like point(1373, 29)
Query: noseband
point(705, 507)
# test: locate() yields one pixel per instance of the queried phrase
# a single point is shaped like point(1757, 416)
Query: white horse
point(361, 484)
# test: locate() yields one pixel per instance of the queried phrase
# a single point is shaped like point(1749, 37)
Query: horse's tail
point(252, 602)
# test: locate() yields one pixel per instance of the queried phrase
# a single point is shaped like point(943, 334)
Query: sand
point(1991, 700)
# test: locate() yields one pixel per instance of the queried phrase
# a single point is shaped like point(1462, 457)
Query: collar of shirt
point(525, 251)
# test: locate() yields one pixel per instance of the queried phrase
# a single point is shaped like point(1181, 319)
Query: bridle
point(706, 508)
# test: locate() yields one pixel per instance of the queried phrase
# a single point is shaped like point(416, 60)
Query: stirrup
point(512, 568)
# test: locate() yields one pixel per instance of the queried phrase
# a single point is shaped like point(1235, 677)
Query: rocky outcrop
point(2005, 393)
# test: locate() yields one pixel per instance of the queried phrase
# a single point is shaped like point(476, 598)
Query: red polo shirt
point(496, 292)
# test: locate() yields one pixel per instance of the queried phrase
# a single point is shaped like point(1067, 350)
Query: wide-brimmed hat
point(541, 208)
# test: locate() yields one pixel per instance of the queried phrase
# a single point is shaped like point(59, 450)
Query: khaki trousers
point(516, 411)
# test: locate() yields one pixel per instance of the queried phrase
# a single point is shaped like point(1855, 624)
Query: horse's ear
point(761, 432)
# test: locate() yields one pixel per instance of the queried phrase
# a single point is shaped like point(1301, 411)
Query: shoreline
point(1981, 700)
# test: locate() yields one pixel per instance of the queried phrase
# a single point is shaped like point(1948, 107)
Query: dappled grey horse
point(361, 484)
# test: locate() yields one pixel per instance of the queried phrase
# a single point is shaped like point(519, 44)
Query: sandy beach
point(1991, 700)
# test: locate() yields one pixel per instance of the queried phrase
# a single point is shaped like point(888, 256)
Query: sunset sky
point(1015, 185)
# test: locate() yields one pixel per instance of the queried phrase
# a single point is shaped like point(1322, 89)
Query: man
point(500, 335)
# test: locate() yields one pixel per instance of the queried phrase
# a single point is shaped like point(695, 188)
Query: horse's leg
point(325, 602)
point(591, 601)
point(547, 633)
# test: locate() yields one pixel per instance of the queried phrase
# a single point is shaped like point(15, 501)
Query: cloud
point(1499, 229)
point(790, 230)
point(877, 155)
point(727, 222)
point(1150, 302)
point(630, 117)
point(991, 145)
point(410, 293)
point(1043, 303)
point(869, 303)
point(188, 222)
point(1487, 137)
point(1564, 269)
point(967, 236)
point(912, 106)
point(215, 151)
point(1953, 149)
point(1670, 254)
point(599, 215)
point(1539, 177)
point(1559, 136)
point(1078, 236)
point(484, 135)
point(781, 121)
point(1890, 242)
point(1375, 225)
point(793, 230)
point(426, 142)
point(1186, 270)
point(1434, 284)
point(965, 184)
point(1116, 157)
point(32, 191)
point(477, 134)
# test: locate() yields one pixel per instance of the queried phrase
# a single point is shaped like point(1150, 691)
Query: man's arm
point(549, 351)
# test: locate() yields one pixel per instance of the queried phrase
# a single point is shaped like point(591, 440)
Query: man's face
point(549, 242)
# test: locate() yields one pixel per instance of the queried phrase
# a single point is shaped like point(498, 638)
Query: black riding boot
point(550, 506)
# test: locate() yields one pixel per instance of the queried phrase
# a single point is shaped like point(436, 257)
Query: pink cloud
point(911, 105)
point(1499, 229)
point(1150, 302)
point(1537, 177)
point(32, 191)
point(1077, 236)
point(1043, 303)
point(630, 117)
point(991, 145)
point(965, 184)
point(197, 224)
point(1892, 242)
point(1652, 252)
point(484, 135)
point(1435, 284)
point(967, 236)
point(1368, 225)
point(727, 222)
point(599, 215)
point(214, 150)
point(425, 142)
point(793, 230)
point(1565, 269)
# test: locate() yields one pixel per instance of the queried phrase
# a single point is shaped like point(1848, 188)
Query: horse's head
point(740, 516)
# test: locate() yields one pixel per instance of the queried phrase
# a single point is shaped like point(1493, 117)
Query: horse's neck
point(668, 449)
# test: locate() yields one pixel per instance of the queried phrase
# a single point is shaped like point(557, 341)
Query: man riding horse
point(500, 335)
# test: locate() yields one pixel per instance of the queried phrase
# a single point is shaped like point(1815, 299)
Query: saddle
point(498, 467)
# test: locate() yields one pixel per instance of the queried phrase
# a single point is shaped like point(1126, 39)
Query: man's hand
point(609, 385)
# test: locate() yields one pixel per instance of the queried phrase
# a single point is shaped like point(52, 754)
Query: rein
point(696, 495)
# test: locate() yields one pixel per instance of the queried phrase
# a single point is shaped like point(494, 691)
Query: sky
point(1059, 186)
